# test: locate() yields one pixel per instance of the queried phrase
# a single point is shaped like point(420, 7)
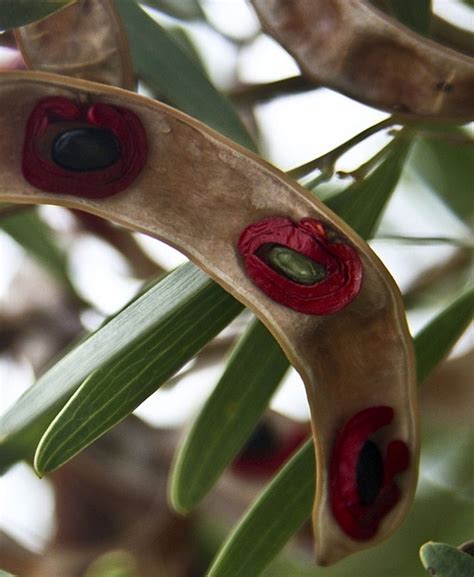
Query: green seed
point(294, 265)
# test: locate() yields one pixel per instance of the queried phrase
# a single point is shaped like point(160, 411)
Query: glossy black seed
point(85, 149)
point(261, 443)
point(369, 473)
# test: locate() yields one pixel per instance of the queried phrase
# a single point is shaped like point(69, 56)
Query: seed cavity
point(369, 473)
point(85, 149)
point(291, 264)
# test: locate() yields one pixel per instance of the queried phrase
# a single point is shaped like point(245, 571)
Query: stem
point(326, 162)
point(251, 94)
point(361, 172)
point(462, 243)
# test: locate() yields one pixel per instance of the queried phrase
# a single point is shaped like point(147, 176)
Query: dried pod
point(84, 40)
point(354, 48)
point(205, 195)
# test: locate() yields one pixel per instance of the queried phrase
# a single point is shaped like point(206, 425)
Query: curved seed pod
point(83, 40)
point(354, 48)
point(206, 196)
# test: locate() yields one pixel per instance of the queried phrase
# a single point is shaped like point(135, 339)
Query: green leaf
point(433, 342)
point(268, 524)
point(416, 14)
point(229, 416)
point(362, 204)
point(443, 560)
point(113, 564)
point(14, 13)
point(278, 513)
point(170, 299)
point(35, 236)
point(170, 71)
point(185, 9)
point(117, 388)
point(446, 165)
point(5, 574)
point(257, 367)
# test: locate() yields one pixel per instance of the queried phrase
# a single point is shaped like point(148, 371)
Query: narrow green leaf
point(35, 236)
point(185, 9)
point(166, 300)
point(433, 342)
point(229, 416)
point(268, 525)
point(118, 387)
point(416, 14)
point(257, 367)
point(362, 204)
point(278, 513)
point(443, 560)
point(169, 70)
point(5, 574)
point(14, 13)
point(447, 167)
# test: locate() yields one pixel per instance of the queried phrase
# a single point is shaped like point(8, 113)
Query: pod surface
point(198, 191)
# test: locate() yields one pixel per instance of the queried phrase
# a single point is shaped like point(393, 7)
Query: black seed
point(85, 149)
point(261, 443)
point(369, 473)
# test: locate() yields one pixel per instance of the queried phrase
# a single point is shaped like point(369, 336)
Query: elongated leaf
point(445, 560)
point(258, 532)
point(169, 70)
point(256, 368)
point(434, 341)
point(185, 9)
point(118, 387)
point(416, 14)
point(166, 300)
point(34, 235)
point(14, 13)
point(362, 203)
point(447, 166)
point(229, 415)
point(279, 512)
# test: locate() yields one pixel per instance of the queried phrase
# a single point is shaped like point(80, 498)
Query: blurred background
point(63, 272)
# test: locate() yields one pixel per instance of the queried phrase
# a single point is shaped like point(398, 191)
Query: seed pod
point(84, 40)
point(209, 197)
point(354, 48)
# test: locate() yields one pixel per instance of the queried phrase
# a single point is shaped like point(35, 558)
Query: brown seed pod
point(354, 48)
point(198, 192)
point(84, 40)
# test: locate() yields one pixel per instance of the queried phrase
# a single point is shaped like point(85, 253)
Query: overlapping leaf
point(252, 375)
point(171, 72)
point(14, 13)
point(415, 15)
point(443, 560)
point(182, 296)
point(34, 235)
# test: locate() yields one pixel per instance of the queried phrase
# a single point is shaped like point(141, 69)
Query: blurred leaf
point(361, 204)
point(273, 518)
point(118, 387)
point(229, 416)
point(14, 13)
point(433, 342)
point(175, 297)
point(5, 574)
point(168, 69)
point(268, 516)
point(185, 9)
point(35, 236)
point(443, 560)
point(447, 167)
point(416, 14)
point(257, 367)
point(113, 564)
